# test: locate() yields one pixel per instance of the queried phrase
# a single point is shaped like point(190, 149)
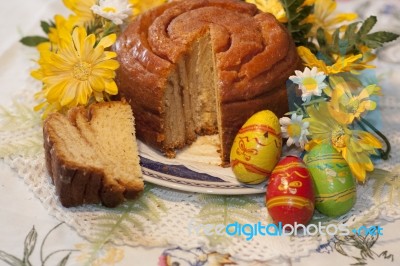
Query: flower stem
point(384, 154)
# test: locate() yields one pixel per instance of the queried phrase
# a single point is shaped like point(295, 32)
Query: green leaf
point(33, 41)
point(349, 39)
point(305, 12)
point(367, 26)
point(323, 53)
point(10, 259)
point(295, 14)
point(321, 38)
point(290, 113)
point(46, 26)
point(353, 39)
point(319, 100)
point(290, 4)
point(350, 32)
point(335, 41)
point(377, 39)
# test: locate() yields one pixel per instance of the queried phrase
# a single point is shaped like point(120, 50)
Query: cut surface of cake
point(199, 67)
point(92, 156)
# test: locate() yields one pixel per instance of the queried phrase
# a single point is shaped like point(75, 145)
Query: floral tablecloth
point(33, 234)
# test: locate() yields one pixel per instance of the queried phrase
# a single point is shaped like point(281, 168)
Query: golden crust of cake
point(91, 155)
point(253, 55)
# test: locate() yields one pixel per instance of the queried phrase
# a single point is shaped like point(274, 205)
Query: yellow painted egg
point(257, 148)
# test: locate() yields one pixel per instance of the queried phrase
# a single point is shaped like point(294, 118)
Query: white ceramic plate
point(181, 178)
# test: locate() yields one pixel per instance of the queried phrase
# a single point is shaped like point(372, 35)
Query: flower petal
point(111, 87)
point(108, 41)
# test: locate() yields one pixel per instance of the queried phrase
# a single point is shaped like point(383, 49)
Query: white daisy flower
point(295, 130)
point(115, 10)
point(311, 82)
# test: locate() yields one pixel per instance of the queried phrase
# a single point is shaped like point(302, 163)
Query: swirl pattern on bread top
point(250, 57)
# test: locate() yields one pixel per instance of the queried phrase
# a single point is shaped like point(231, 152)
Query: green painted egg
point(334, 184)
point(257, 148)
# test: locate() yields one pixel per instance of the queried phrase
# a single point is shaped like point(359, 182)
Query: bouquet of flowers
point(334, 97)
point(77, 67)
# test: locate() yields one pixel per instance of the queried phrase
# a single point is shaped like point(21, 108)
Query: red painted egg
point(290, 194)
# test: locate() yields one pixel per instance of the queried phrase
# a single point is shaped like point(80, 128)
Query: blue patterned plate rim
point(181, 178)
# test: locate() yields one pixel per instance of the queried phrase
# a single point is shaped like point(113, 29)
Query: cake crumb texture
point(92, 156)
point(201, 67)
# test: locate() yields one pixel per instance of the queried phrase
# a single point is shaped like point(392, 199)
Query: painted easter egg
point(290, 193)
point(257, 148)
point(335, 187)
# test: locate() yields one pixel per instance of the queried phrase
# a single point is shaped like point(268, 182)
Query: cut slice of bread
point(92, 156)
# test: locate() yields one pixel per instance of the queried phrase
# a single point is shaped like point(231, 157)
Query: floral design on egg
point(299, 174)
point(291, 187)
point(329, 172)
point(284, 185)
point(294, 185)
point(243, 150)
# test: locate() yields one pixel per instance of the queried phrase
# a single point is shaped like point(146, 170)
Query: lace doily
point(164, 216)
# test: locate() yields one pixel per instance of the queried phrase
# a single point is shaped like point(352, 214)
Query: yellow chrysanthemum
point(325, 18)
point(61, 24)
point(81, 9)
point(348, 63)
point(271, 6)
point(356, 146)
point(139, 6)
point(344, 106)
point(78, 70)
point(62, 27)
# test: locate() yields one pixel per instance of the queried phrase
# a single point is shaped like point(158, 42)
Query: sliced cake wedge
point(92, 156)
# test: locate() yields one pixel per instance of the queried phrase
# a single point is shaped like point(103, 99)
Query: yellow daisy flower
point(61, 24)
point(356, 146)
point(344, 106)
point(139, 6)
point(62, 27)
point(271, 6)
point(78, 70)
point(82, 10)
point(324, 17)
point(348, 63)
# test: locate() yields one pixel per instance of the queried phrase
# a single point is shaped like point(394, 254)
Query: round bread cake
point(198, 67)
